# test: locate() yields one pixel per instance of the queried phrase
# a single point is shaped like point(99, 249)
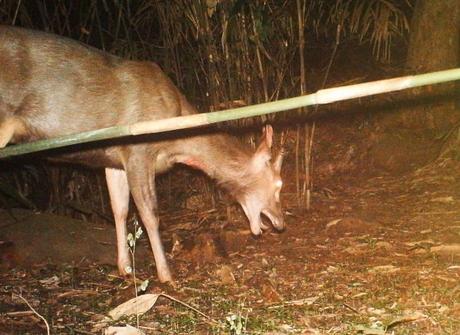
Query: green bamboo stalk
point(324, 96)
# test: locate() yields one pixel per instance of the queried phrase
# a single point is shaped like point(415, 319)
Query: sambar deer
point(52, 86)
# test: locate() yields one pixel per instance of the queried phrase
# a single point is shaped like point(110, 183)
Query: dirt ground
point(375, 255)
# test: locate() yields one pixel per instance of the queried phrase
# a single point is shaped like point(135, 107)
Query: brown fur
point(52, 86)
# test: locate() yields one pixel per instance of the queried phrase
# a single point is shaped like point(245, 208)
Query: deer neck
point(220, 156)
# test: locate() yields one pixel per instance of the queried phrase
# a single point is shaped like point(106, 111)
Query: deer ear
point(267, 139)
point(268, 135)
point(279, 161)
point(263, 153)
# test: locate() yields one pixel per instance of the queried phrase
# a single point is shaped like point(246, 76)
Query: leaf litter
point(314, 278)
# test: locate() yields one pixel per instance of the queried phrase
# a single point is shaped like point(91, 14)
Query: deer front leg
point(141, 178)
point(7, 130)
point(117, 183)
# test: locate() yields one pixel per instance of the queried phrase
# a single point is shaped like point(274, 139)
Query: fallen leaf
point(286, 329)
point(333, 223)
point(349, 226)
point(358, 295)
point(376, 311)
point(299, 302)
point(406, 318)
point(384, 245)
point(446, 249)
point(127, 330)
point(270, 294)
point(226, 275)
point(357, 248)
point(332, 269)
point(369, 331)
point(444, 200)
point(135, 306)
point(51, 282)
point(384, 269)
point(421, 244)
point(302, 302)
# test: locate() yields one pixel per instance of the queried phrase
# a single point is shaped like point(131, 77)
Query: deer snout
point(276, 218)
point(279, 224)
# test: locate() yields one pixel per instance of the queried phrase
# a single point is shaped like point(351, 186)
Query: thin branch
point(33, 310)
point(189, 307)
point(16, 13)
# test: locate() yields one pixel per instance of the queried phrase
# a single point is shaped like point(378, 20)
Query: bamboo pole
point(324, 96)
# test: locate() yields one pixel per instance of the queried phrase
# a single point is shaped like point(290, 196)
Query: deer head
point(261, 194)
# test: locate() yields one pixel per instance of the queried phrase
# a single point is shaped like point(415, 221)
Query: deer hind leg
point(141, 178)
point(117, 184)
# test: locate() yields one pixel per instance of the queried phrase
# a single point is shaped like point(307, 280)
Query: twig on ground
point(351, 308)
point(186, 305)
point(33, 310)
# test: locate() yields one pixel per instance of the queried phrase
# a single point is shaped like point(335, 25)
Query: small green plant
point(237, 324)
point(132, 239)
point(372, 242)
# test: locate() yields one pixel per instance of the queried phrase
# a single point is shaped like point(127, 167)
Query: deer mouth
point(256, 217)
point(276, 220)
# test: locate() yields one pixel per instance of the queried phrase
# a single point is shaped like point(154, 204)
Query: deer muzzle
point(276, 219)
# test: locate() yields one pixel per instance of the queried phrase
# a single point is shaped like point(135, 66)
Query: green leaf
point(131, 241)
point(138, 233)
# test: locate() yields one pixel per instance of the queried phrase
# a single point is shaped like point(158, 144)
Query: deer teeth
point(263, 225)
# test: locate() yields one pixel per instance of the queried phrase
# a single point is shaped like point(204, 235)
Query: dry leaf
point(302, 302)
point(51, 282)
point(407, 318)
point(270, 294)
point(127, 330)
point(333, 223)
point(446, 249)
point(369, 330)
point(138, 305)
point(376, 311)
point(444, 200)
point(225, 275)
point(421, 244)
point(384, 245)
point(384, 269)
